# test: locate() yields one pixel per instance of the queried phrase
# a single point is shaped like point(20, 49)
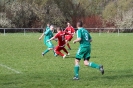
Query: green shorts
point(49, 44)
point(83, 52)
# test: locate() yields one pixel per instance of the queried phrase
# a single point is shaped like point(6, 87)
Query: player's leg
point(87, 57)
point(50, 47)
point(91, 64)
point(79, 56)
point(46, 51)
point(68, 38)
point(54, 52)
point(64, 49)
point(76, 69)
point(67, 43)
point(57, 50)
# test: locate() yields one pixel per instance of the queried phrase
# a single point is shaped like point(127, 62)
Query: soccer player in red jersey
point(71, 32)
point(61, 42)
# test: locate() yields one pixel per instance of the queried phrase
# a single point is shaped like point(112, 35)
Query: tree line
point(94, 13)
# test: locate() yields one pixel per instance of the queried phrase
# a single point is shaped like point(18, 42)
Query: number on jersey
point(63, 38)
point(86, 36)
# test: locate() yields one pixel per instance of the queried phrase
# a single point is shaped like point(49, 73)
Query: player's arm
point(90, 40)
point(73, 31)
point(45, 33)
point(53, 38)
point(65, 30)
point(73, 34)
point(77, 40)
point(41, 36)
point(67, 33)
point(78, 37)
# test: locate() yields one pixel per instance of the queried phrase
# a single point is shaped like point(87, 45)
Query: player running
point(61, 42)
point(84, 38)
point(48, 34)
point(71, 32)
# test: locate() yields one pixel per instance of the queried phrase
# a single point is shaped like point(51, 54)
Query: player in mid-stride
point(69, 36)
point(84, 38)
point(48, 34)
point(61, 42)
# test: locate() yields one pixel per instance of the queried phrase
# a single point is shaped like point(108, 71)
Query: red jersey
point(70, 30)
point(61, 38)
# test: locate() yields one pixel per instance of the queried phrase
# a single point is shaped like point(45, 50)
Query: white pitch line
point(9, 68)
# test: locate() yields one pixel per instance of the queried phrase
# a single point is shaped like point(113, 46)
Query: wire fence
point(92, 30)
point(20, 30)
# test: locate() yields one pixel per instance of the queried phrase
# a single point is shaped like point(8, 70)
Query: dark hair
point(68, 22)
point(59, 28)
point(79, 24)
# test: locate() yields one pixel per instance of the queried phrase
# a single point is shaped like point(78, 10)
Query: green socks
point(47, 50)
point(93, 65)
point(76, 70)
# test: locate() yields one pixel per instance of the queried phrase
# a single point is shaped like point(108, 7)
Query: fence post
point(99, 31)
point(4, 32)
point(24, 31)
point(118, 31)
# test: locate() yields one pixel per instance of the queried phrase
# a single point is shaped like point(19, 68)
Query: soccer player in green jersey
point(84, 38)
point(48, 35)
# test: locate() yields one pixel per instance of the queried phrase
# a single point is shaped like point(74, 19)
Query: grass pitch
point(22, 66)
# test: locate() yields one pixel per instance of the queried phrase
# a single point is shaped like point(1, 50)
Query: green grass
point(23, 53)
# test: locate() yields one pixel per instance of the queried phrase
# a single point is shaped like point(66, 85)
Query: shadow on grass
point(70, 57)
point(119, 74)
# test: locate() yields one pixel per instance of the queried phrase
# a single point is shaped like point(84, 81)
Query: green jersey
point(48, 35)
point(85, 37)
point(47, 28)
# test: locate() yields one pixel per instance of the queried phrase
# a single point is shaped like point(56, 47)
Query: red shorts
point(58, 48)
point(68, 37)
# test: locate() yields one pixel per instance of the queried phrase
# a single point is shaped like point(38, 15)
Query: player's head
point(68, 24)
point(51, 27)
point(79, 24)
point(59, 29)
point(48, 24)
